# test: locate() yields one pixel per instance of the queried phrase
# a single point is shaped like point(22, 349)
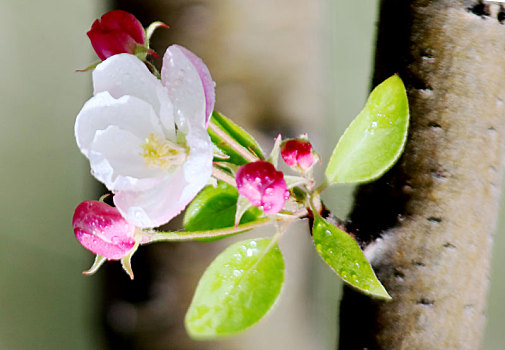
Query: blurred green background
point(45, 302)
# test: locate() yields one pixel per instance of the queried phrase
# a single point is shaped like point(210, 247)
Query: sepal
point(99, 260)
point(276, 150)
point(126, 261)
point(242, 205)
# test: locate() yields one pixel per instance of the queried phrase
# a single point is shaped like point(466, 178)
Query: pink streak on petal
point(208, 84)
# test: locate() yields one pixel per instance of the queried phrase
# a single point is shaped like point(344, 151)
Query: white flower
point(146, 139)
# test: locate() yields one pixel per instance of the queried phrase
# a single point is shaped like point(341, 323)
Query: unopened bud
point(101, 229)
point(298, 153)
point(263, 185)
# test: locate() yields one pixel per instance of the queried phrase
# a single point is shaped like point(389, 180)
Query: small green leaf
point(375, 139)
point(215, 208)
point(341, 252)
point(236, 290)
point(236, 133)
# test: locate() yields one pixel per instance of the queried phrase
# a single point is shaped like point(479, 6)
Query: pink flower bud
point(101, 229)
point(298, 153)
point(263, 186)
point(116, 32)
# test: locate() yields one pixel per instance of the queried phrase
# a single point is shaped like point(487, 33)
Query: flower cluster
point(154, 140)
point(146, 139)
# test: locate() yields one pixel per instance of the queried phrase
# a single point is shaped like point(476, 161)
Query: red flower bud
point(263, 186)
point(116, 32)
point(101, 229)
point(298, 153)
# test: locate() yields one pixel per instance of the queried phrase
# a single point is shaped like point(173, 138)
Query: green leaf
point(375, 139)
point(237, 134)
point(215, 208)
point(341, 252)
point(236, 290)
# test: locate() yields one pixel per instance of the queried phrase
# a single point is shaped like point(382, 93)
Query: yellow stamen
point(162, 153)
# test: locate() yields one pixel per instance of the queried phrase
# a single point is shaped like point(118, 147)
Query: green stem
point(155, 236)
point(315, 203)
point(223, 176)
point(244, 152)
point(274, 240)
point(322, 187)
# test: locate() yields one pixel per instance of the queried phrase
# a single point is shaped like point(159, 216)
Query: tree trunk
point(428, 224)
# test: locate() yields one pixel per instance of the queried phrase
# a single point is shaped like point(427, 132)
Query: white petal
point(198, 166)
point(116, 160)
point(185, 88)
point(125, 74)
point(127, 113)
point(160, 204)
point(206, 79)
point(153, 207)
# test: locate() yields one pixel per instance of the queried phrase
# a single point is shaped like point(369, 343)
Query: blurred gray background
point(290, 66)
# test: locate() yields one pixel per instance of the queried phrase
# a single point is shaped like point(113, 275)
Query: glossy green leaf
point(215, 208)
point(341, 252)
point(236, 133)
point(375, 139)
point(236, 290)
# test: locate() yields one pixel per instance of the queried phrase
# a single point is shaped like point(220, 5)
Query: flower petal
point(185, 88)
point(127, 113)
point(208, 84)
point(116, 160)
point(164, 201)
point(125, 74)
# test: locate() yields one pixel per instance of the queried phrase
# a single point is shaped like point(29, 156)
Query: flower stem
point(223, 176)
point(155, 236)
point(322, 187)
point(244, 152)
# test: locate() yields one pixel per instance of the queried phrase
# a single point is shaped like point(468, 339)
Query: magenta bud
point(101, 229)
point(263, 185)
point(116, 32)
point(298, 153)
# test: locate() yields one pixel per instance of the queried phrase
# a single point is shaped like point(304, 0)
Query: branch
point(428, 223)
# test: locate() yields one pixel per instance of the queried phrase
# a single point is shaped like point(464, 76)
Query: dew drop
point(269, 191)
point(286, 194)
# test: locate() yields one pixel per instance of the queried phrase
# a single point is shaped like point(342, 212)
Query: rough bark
point(428, 224)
